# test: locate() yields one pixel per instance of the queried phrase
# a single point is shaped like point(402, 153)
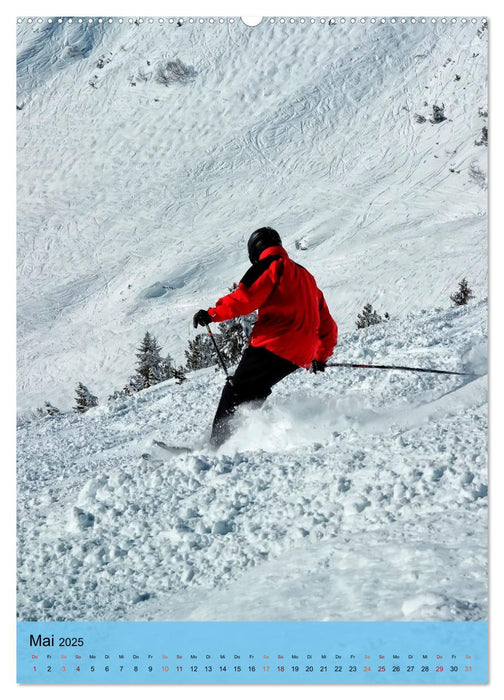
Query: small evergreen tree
point(118, 394)
point(85, 399)
point(166, 369)
point(48, 410)
point(438, 114)
point(151, 369)
point(370, 317)
point(200, 352)
point(233, 338)
point(484, 137)
point(150, 366)
point(179, 375)
point(127, 390)
point(464, 293)
point(136, 383)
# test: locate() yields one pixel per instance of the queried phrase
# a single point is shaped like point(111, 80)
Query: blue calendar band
point(252, 652)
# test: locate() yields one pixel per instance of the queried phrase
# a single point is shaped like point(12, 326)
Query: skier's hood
point(274, 250)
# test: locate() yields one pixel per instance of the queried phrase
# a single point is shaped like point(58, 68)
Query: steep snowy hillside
point(351, 495)
point(135, 199)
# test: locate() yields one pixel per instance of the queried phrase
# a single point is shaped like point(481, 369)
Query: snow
point(352, 494)
point(124, 192)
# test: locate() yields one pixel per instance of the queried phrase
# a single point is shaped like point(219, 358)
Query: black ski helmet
point(261, 239)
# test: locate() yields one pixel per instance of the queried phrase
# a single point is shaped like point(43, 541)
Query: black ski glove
point(317, 366)
point(201, 318)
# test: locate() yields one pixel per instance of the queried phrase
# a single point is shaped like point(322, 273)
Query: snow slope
point(135, 201)
point(351, 495)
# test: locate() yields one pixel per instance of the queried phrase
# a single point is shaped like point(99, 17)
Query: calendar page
point(252, 302)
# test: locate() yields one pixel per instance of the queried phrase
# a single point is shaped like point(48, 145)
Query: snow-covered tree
point(370, 317)
point(85, 399)
point(150, 365)
point(478, 175)
point(464, 293)
point(200, 352)
point(234, 335)
point(128, 390)
point(166, 369)
point(438, 114)
point(118, 394)
point(179, 374)
point(151, 369)
point(48, 410)
point(484, 137)
point(233, 338)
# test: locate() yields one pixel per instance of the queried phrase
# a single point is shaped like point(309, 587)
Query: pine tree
point(200, 352)
point(233, 338)
point(438, 114)
point(136, 383)
point(50, 409)
point(150, 365)
point(151, 369)
point(484, 137)
point(179, 375)
point(85, 399)
point(118, 394)
point(166, 369)
point(463, 295)
point(128, 390)
point(370, 317)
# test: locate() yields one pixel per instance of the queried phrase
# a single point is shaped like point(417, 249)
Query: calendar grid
point(252, 652)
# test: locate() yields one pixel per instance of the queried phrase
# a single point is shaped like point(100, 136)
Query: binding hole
point(251, 21)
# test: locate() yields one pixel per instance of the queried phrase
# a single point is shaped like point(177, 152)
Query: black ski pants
point(258, 371)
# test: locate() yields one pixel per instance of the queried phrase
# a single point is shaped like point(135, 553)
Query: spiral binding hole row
point(231, 20)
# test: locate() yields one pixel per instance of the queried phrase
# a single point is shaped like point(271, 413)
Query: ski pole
point(218, 352)
point(408, 369)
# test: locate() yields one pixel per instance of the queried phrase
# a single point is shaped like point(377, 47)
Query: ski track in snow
point(351, 495)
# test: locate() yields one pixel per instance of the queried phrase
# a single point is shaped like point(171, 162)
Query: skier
point(294, 327)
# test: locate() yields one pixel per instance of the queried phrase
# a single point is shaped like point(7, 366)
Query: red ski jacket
point(293, 320)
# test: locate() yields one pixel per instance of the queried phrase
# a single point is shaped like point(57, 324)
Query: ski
point(172, 449)
point(159, 449)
